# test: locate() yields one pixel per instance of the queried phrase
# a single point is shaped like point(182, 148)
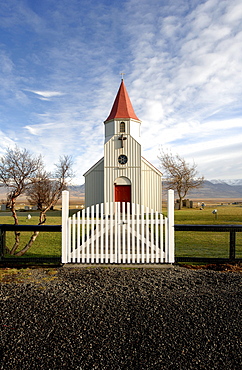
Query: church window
point(122, 159)
point(122, 127)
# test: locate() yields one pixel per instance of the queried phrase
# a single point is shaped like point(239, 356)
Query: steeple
point(122, 106)
point(123, 175)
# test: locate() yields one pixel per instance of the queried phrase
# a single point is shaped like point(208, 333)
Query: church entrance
point(123, 193)
point(122, 190)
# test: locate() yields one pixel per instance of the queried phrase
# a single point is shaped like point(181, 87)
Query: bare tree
point(53, 189)
point(180, 176)
point(22, 173)
point(46, 188)
point(38, 194)
point(18, 170)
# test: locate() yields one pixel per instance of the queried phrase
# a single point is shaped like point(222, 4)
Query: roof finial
point(122, 74)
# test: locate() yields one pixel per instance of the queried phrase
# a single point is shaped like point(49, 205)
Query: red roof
point(122, 107)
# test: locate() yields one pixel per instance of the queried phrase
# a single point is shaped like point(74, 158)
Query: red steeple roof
point(122, 107)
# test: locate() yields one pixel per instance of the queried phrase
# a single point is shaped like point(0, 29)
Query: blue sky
point(60, 64)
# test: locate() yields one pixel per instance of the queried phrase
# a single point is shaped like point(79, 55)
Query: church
point(123, 175)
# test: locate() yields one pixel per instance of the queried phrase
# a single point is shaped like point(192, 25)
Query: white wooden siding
point(151, 190)
point(94, 185)
point(109, 130)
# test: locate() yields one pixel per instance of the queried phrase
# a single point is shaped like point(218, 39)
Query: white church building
point(123, 175)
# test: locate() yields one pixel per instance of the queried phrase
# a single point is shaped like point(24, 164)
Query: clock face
point(122, 159)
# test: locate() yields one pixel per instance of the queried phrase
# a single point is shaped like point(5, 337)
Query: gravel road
point(115, 318)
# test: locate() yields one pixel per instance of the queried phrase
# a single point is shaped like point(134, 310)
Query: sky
point(60, 65)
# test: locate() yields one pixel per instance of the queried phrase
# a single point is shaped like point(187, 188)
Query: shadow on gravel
point(215, 267)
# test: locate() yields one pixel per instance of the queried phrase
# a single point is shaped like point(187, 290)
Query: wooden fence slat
point(161, 238)
point(96, 251)
point(132, 230)
point(147, 235)
point(170, 230)
point(111, 234)
point(152, 235)
point(88, 236)
point(143, 234)
point(73, 244)
point(106, 232)
point(102, 234)
point(118, 233)
point(123, 232)
point(156, 238)
point(83, 235)
point(78, 237)
point(115, 233)
point(65, 226)
point(138, 231)
point(166, 239)
point(128, 233)
point(92, 233)
point(69, 240)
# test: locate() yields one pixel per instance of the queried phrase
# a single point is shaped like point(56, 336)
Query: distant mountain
point(233, 182)
point(76, 190)
point(218, 189)
point(210, 189)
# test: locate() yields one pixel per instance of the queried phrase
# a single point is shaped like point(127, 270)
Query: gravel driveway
point(115, 318)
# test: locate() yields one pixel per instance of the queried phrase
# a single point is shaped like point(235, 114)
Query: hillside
point(77, 190)
point(210, 190)
point(217, 190)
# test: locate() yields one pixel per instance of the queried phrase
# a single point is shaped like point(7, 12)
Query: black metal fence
point(7, 260)
point(231, 229)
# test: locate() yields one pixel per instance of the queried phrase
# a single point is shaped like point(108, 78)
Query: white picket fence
point(104, 234)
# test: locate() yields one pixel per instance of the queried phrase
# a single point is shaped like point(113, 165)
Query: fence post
point(170, 256)
point(64, 234)
point(232, 239)
point(2, 243)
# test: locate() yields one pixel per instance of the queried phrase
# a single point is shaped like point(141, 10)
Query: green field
point(194, 244)
point(207, 244)
point(46, 245)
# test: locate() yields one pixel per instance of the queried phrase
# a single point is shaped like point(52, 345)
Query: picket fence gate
point(104, 234)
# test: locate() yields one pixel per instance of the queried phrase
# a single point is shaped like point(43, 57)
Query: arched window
point(122, 127)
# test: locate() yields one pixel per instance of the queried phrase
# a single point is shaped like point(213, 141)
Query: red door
point(123, 193)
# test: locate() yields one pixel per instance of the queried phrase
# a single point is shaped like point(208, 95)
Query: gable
point(150, 166)
point(99, 166)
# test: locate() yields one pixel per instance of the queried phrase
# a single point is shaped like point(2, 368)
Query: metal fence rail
point(232, 229)
point(35, 260)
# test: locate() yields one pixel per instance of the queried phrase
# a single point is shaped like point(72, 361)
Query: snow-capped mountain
point(232, 182)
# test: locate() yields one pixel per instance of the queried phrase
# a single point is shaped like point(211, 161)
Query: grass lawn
point(194, 244)
point(207, 244)
point(47, 244)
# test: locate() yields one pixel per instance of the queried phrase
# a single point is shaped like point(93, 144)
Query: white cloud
point(5, 142)
point(181, 62)
point(46, 94)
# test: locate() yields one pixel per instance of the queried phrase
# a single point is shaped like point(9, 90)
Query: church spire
point(122, 106)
